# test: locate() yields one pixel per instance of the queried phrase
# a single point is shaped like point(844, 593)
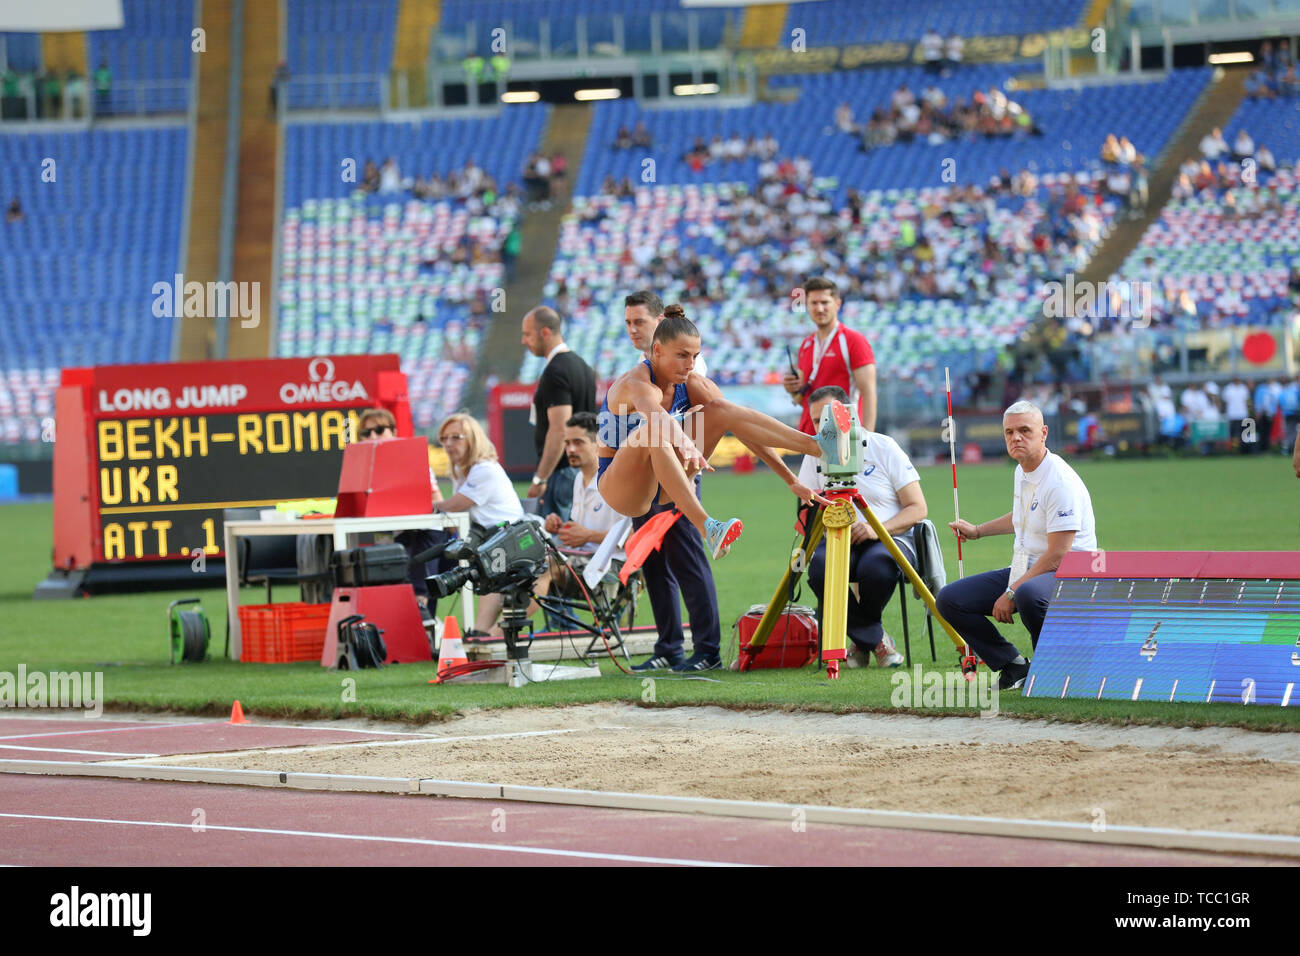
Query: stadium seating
point(745, 331)
point(23, 51)
point(521, 20)
point(77, 272)
point(372, 273)
point(154, 44)
point(1234, 261)
point(837, 22)
point(1075, 124)
point(338, 50)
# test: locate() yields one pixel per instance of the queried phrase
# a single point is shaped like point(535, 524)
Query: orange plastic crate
point(283, 633)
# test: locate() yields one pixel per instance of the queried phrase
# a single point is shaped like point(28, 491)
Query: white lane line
point(412, 841)
point(65, 750)
point(105, 730)
point(357, 744)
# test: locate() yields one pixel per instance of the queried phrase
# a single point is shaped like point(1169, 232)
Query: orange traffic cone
point(452, 653)
point(237, 714)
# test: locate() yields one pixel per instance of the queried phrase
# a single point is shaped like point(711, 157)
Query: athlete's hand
point(693, 460)
point(807, 495)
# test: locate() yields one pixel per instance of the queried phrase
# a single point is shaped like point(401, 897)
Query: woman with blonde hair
point(481, 487)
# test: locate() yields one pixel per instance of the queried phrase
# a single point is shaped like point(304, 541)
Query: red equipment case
point(793, 642)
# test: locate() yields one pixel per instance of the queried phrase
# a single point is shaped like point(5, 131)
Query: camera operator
point(480, 487)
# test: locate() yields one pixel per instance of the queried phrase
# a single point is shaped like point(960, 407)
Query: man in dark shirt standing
point(566, 386)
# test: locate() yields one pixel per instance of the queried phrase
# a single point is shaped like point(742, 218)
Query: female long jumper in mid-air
point(660, 422)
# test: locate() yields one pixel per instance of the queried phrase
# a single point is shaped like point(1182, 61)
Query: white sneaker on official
point(887, 654)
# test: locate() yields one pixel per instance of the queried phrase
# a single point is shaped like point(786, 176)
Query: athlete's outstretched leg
point(721, 416)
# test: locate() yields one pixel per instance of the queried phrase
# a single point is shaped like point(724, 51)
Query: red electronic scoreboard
point(148, 456)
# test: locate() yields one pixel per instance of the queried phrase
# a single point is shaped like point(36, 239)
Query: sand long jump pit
point(1218, 779)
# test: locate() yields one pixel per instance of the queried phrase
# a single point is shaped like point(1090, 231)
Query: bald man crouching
point(1051, 514)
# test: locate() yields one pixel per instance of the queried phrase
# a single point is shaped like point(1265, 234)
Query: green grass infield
point(1222, 504)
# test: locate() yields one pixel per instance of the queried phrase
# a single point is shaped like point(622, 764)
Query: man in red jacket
point(832, 355)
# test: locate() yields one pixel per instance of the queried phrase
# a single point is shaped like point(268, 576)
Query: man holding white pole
point(1051, 515)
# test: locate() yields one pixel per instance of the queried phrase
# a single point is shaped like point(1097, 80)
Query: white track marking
point(65, 750)
point(411, 841)
point(90, 730)
point(1137, 689)
point(317, 748)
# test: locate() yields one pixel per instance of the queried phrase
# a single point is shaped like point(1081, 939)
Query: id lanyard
point(1020, 555)
point(844, 353)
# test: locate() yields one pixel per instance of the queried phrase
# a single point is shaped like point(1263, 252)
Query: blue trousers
point(967, 604)
point(680, 570)
point(876, 575)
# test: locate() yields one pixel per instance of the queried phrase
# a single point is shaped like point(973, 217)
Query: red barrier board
point(150, 455)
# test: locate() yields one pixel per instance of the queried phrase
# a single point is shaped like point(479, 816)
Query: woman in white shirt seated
point(480, 487)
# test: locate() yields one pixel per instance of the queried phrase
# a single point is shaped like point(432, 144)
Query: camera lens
point(449, 582)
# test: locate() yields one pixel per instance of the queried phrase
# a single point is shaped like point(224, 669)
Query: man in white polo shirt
point(590, 519)
point(1051, 514)
point(890, 485)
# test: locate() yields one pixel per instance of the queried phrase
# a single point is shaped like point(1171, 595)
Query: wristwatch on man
point(538, 481)
point(1010, 592)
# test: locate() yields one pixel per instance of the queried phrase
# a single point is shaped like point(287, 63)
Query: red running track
point(82, 740)
point(67, 821)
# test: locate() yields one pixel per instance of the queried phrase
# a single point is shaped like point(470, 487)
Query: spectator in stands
point(15, 211)
point(623, 139)
point(1044, 535)
point(1127, 154)
point(844, 117)
point(832, 355)
point(370, 177)
point(1268, 59)
point(536, 177)
point(480, 487)
point(1289, 83)
point(567, 385)
point(1140, 191)
point(641, 136)
point(932, 51)
point(1205, 178)
point(1264, 159)
point(104, 86)
point(768, 146)
point(953, 51)
point(1110, 149)
point(1213, 145)
point(559, 171)
point(1243, 147)
point(1260, 86)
